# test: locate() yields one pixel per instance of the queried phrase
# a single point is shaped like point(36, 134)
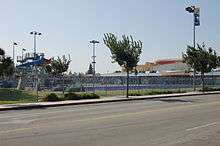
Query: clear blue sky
point(68, 25)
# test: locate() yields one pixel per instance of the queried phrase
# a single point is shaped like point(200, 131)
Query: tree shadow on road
point(174, 100)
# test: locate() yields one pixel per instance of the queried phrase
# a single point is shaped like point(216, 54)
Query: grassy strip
point(12, 96)
point(141, 92)
point(210, 89)
point(12, 102)
point(155, 92)
point(9, 96)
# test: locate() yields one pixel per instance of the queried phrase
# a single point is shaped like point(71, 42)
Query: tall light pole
point(196, 22)
point(35, 33)
point(22, 53)
point(93, 62)
point(13, 51)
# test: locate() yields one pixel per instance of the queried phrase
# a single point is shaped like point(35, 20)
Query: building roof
point(168, 61)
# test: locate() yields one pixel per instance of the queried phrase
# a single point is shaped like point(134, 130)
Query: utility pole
point(22, 54)
point(196, 22)
point(35, 33)
point(94, 42)
point(13, 51)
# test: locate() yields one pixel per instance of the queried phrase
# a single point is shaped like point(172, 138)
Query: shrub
point(51, 97)
point(89, 96)
point(74, 96)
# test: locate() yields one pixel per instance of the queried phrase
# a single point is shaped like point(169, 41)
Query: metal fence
point(119, 82)
point(109, 83)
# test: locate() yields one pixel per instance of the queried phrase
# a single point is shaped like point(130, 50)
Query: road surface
point(182, 121)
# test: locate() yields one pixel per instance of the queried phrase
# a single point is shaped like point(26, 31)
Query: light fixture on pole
point(35, 33)
point(94, 62)
point(196, 13)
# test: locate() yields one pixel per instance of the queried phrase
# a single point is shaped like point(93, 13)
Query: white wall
point(179, 66)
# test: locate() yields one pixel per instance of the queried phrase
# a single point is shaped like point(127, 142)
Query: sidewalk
point(21, 106)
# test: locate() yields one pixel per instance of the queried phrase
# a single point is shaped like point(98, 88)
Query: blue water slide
point(38, 62)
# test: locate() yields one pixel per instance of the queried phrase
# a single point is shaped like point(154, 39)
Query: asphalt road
point(184, 121)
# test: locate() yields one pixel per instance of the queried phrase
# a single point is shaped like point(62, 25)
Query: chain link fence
point(108, 84)
point(119, 82)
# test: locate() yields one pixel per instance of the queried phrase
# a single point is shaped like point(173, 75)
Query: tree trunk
point(63, 84)
point(19, 83)
point(127, 84)
point(203, 83)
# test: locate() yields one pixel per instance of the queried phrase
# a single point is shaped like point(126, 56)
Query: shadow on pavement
point(174, 100)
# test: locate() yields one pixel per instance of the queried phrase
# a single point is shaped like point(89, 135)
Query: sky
point(67, 26)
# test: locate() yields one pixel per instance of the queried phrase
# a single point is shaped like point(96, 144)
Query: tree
point(201, 59)
point(58, 67)
point(48, 68)
point(90, 70)
point(2, 52)
point(6, 65)
point(126, 52)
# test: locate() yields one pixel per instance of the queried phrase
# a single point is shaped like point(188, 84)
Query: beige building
point(145, 67)
point(164, 66)
point(170, 65)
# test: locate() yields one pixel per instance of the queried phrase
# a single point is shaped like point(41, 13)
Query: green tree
point(201, 59)
point(2, 52)
point(58, 67)
point(6, 65)
point(48, 68)
point(90, 70)
point(126, 52)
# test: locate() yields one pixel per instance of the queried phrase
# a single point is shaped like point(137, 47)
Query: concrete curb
point(97, 101)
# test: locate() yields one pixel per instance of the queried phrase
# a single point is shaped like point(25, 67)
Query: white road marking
point(202, 126)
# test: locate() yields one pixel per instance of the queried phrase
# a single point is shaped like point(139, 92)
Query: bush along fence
point(52, 97)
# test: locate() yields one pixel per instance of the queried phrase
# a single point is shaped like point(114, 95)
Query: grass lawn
point(105, 94)
point(9, 96)
point(12, 96)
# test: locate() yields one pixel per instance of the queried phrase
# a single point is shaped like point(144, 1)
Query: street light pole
point(94, 62)
point(13, 51)
point(195, 11)
point(22, 54)
point(35, 33)
point(194, 46)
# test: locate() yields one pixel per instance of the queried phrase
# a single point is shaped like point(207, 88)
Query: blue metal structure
point(29, 61)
